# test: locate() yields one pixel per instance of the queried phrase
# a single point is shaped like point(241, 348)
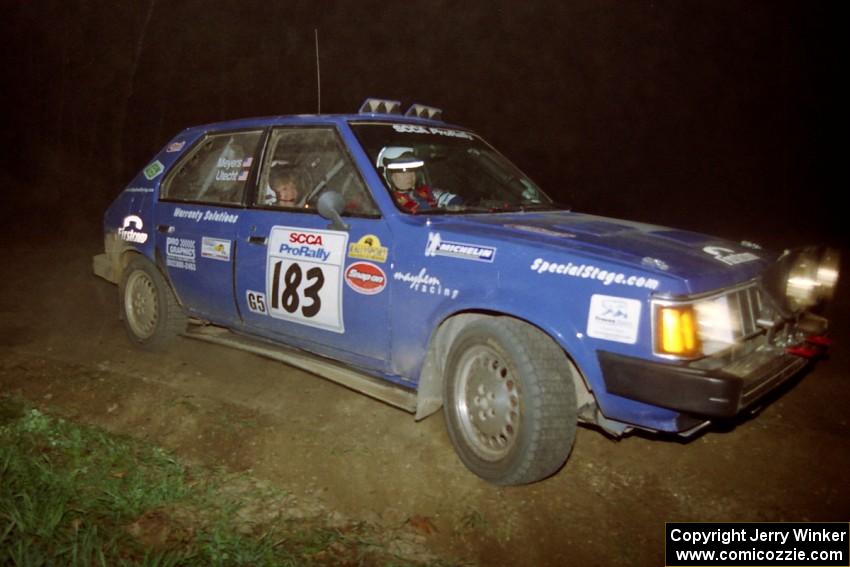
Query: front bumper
point(711, 388)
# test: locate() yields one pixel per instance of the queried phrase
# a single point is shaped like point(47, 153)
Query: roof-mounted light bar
point(422, 111)
point(380, 106)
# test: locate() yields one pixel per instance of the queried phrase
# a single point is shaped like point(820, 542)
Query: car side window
point(302, 163)
point(216, 171)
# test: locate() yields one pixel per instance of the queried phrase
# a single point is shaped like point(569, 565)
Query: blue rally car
point(406, 258)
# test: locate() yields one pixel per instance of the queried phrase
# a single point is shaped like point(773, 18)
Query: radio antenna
point(318, 74)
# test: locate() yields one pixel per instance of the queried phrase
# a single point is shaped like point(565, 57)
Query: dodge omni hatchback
point(406, 258)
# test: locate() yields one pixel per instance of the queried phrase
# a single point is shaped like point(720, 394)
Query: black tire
point(152, 317)
point(509, 401)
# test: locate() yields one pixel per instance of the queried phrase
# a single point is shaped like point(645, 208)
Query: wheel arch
point(429, 398)
point(125, 255)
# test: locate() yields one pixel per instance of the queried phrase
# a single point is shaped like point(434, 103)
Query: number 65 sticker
point(304, 276)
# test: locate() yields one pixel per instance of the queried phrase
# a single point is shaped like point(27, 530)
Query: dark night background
point(722, 117)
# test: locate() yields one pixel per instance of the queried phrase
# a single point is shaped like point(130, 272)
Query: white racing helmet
point(397, 158)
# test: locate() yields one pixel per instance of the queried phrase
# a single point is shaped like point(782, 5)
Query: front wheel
point(152, 317)
point(509, 401)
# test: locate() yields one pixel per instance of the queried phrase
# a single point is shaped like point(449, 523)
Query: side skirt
point(373, 387)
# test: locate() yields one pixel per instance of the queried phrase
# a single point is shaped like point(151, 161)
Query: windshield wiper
point(456, 210)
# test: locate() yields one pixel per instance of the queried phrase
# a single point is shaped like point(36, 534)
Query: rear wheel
point(510, 402)
point(152, 316)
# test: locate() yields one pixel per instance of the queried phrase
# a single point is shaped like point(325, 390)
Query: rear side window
point(216, 171)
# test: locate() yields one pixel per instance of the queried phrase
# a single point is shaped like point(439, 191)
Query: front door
point(318, 288)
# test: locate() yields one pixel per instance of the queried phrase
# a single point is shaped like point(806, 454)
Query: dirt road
point(62, 346)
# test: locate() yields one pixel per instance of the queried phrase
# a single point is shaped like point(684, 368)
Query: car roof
point(314, 119)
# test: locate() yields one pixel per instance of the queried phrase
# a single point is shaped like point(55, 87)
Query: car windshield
point(448, 171)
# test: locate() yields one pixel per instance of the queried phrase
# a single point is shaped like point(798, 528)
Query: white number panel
point(304, 276)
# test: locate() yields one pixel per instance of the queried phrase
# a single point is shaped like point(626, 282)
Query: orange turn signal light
point(676, 331)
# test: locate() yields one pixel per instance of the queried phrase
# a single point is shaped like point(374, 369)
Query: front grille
point(747, 304)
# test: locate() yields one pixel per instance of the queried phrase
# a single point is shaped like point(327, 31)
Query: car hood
point(703, 262)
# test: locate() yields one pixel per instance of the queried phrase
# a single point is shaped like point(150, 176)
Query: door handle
point(259, 240)
point(165, 228)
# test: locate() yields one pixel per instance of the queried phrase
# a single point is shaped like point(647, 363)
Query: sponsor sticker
point(423, 282)
point(153, 170)
point(365, 278)
point(416, 129)
point(215, 248)
point(175, 147)
point(729, 256)
point(131, 230)
point(368, 248)
point(436, 246)
point(614, 318)
point(180, 253)
point(304, 276)
point(591, 272)
point(208, 215)
point(235, 169)
point(138, 190)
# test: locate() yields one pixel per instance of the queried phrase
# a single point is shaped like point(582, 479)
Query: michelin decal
point(436, 246)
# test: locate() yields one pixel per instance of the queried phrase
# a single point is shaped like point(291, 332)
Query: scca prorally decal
point(425, 283)
point(138, 190)
point(180, 253)
point(613, 319)
point(131, 230)
point(211, 216)
point(304, 276)
point(436, 246)
point(153, 170)
point(729, 256)
point(365, 278)
point(591, 272)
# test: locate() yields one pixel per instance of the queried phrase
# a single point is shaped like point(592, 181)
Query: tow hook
point(815, 346)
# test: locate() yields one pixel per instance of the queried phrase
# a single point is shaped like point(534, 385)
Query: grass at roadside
point(75, 495)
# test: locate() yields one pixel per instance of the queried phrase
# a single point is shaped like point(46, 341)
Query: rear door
point(199, 209)
point(298, 280)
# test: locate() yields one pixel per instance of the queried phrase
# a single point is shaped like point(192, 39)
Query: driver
point(404, 174)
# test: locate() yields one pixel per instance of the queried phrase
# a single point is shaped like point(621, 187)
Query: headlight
point(700, 327)
point(812, 277)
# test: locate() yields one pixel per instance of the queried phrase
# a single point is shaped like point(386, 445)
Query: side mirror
point(330, 205)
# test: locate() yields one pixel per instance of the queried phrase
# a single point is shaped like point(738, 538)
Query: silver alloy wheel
point(141, 304)
point(487, 403)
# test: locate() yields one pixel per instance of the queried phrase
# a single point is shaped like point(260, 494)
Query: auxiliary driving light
point(812, 277)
